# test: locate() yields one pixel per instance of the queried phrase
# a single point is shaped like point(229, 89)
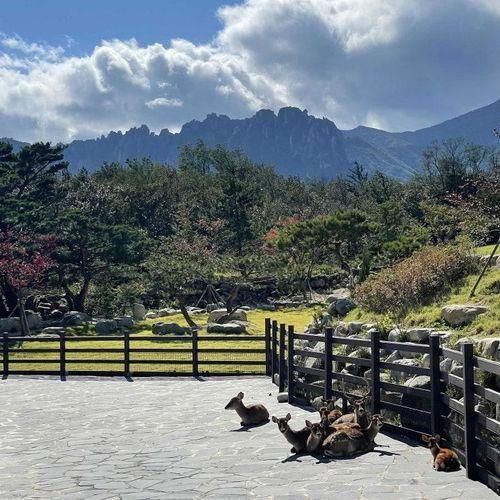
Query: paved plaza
point(172, 438)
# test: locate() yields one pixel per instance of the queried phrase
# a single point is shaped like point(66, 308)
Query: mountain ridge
point(296, 142)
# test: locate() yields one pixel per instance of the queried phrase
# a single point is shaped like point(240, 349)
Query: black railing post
point(328, 363)
point(62, 355)
point(434, 352)
point(267, 333)
point(126, 355)
point(469, 413)
point(290, 354)
point(195, 353)
point(5, 354)
point(282, 362)
point(375, 367)
point(274, 333)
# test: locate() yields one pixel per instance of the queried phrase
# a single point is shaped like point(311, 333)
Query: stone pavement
point(171, 438)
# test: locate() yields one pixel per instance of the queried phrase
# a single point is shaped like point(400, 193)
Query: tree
point(24, 263)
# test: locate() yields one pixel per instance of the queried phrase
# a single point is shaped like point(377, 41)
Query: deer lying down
point(317, 435)
point(359, 416)
point(444, 459)
point(298, 439)
point(250, 415)
point(329, 411)
point(350, 441)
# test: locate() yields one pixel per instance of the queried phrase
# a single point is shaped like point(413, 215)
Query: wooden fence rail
point(479, 453)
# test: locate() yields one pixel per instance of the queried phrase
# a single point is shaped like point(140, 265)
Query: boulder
point(341, 330)
point(339, 293)
point(238, 315)
point(396, 335)
point(124, 322)
point(282, 397)
point(75, 318)
point(343, 306)
point(410, 419)
point(53, 331)
point(354, 327)
point(138, 312)
point(212, 307)
point(461, 314)
point(228, 328)
point(418, 335)
point(394, 356)
point(56, 314)
point(169, 328)
point(266, 307)
point(10, 325)
point(489, 348)
point(168, 311)
point(151, 315)
point(105, 326)
point(400, 375)
point(34, 320)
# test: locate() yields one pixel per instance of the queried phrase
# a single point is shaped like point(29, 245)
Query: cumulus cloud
point(398, 64)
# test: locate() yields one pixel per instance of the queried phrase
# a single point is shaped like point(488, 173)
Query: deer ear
point(274, 419)
point(308, 424)
point(288, 417)
point(437, 437)
point(240, 395)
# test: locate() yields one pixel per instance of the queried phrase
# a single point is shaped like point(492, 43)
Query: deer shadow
point(249, 427)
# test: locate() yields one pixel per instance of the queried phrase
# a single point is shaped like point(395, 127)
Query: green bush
point(416, 280)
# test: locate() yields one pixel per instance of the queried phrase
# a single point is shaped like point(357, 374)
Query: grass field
point(97, 354)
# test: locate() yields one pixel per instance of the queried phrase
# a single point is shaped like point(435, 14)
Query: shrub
point(416, 280)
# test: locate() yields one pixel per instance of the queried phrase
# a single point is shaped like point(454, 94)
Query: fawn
point(250, 415)
point(298, 439)
point(350, 441)
point(317, 435)
point(444, 459)
point(329, 411)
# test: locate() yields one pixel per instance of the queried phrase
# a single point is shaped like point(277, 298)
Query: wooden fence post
point(434, 346)
point(62, 355)
point(126, 355)
point(375, 367)
point(469, 413)
point(282, 362)
point(5, 354)
point(290, 353)
point(195, 352)
point(274, 333)
point(328, 362)
point(267, 333)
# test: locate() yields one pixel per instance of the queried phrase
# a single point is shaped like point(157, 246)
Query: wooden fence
point(435, 409)
point(133, 355)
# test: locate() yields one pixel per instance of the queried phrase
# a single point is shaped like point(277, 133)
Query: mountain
point(292, 140)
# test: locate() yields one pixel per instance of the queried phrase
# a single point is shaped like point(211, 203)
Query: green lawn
point(486, 250)
point(77, 361)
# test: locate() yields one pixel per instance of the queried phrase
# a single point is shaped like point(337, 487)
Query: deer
point(318, 432)
point(359, 416)
point(250, 415)
point(298, 439)
point(444, 459)
point(329, 411)
point(350, 441)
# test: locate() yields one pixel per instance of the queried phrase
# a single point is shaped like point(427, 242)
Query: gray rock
point(238, 315)
point(151, 315)
point(228, 328)
point(138, 312)
point(394, 356)
point(418, 335)
point(124, 322)
point(354, 327)
point(56, 314)
point(266, 307)
point(401, 375)
point(10, 325)
point(461, 314)
point(339, 293)
point(426, 361)
point(341, 330)
point(162, 328)
point(34, 320)
point(282, 397)
point(396, 335)
point(410, 419)
point(53, 330)
point(75, 318)
point(168, 311)
point(105, 326)
point(343, 306)
point(489, 348)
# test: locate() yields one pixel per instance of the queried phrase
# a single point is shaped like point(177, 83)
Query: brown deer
point(298, 439)
point(359, 416)
point(350, 441)
point(329, 411)
point(250, 415)
point(317, 435)
point(444, 459)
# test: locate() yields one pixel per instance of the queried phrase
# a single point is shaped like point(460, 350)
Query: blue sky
point(78, 69)
point(87, 22)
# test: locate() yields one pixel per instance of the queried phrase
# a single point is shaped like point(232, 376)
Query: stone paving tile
point(103, 439)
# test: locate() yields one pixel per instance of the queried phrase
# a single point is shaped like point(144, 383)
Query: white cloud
point(395, 63)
